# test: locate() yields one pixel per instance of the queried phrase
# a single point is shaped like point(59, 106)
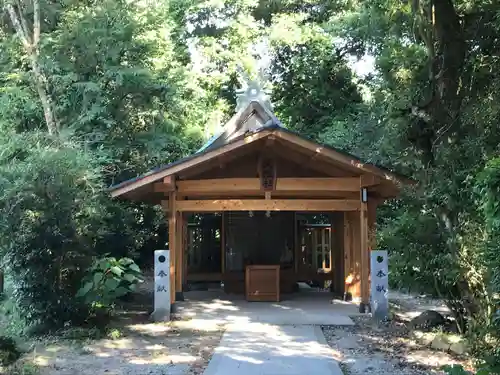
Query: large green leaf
point(104, 264)
point(85, 289)
point(116, 270)
point(98, 276)
point(121, 291)
point(134, 267)
point(125, 261)
point(130, 277)
point(111, 284)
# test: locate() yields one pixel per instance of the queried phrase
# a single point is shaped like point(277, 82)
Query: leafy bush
point(107, 280)
point(9, 352)
point(487, 336)
point(459, 370)
point(50, 214)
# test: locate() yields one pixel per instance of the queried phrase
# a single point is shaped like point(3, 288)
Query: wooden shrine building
point(260, 208)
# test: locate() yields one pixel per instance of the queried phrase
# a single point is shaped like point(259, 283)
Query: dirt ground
point(137, 347)
point(387, 348)
point(185, 347)
point(171, 349)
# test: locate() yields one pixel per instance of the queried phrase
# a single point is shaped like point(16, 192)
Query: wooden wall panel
point(289, 164)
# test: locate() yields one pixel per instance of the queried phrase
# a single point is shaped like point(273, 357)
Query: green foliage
point(114, 334)
point(50, 220)
point(314, 91)
point(459, 370)
point(125, 104)
point(107, 280)
point(156, 80)
point(23, 369)
point(9, 352)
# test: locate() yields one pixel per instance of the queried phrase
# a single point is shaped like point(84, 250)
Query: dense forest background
point(95, 92)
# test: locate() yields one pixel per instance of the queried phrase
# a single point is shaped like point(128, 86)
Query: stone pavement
point(267, 349)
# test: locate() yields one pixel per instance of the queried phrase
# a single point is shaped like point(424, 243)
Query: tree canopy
point(95, 92)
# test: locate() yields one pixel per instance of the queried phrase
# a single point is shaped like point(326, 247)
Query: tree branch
point(17, 26)
point(23, 22)
point(31, 46)
point(36, 25)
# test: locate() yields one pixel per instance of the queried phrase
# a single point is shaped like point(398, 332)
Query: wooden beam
point(223, 185)
point(368, 180)
point(275, 194)
point(166, 186)
point(284, 184)
point(316, 205)
point(318, 184)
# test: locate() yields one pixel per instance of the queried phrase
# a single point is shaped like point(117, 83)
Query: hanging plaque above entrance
point(267, 173)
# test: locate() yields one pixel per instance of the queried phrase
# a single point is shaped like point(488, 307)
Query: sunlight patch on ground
point(41, 360)
point(426, 357)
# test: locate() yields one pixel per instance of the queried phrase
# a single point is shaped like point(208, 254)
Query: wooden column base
point(174, 308)
point(364, 308)
point(179, 296)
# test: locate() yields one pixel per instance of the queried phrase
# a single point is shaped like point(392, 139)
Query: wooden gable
point(236, 153)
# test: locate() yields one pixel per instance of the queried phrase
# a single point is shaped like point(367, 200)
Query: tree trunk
point(47, 104)
point(30, 41)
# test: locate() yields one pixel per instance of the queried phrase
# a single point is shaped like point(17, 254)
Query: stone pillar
point(379, 284)
point(162, 287)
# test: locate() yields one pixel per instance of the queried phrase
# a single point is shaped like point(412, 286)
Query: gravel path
point(369, 348)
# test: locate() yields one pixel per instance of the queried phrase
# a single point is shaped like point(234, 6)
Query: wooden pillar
point(185, 242)
point(223, 244)
point(338, 248)
point(364, 257)
point(296, 252)
point(172, 241)
point(179, 256)
point(347, 257)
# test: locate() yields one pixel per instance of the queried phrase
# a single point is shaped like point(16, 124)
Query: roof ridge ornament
point(253, 89)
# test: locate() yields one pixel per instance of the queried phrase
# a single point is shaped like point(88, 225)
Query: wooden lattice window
point(322, 249)
point(317, 249)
